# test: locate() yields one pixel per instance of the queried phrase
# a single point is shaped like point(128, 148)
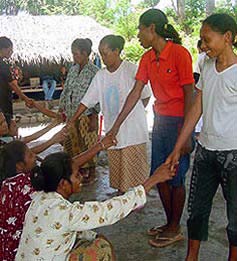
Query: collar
point(164, 54)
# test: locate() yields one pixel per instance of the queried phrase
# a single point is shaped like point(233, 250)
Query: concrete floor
point(129, 235)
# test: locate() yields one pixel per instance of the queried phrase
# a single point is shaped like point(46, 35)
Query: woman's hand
point(108, 141)
point(160, 175)
point(173, 159)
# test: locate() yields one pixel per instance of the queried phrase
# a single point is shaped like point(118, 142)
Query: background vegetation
point(122, 15)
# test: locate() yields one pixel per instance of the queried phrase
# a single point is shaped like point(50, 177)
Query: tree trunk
point(210, 6)
point(181, 9)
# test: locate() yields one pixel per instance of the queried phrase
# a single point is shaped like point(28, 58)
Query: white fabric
point(111, 91)
point(200, 62)
point(52, 222)
point(219, 101)
point(198, 67)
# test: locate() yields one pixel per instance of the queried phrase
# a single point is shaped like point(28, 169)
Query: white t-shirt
point(219, 101)
point(111, 91)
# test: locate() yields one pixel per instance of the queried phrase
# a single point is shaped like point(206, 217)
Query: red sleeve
point(184, 66)
point(142, 72)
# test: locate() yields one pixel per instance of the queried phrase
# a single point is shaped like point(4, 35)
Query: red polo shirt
point(167, 75)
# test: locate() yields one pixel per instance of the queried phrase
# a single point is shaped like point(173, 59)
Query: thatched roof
point(48, 37)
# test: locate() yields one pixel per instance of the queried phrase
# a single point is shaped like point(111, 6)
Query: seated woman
point(16, 162)
point(55, 229)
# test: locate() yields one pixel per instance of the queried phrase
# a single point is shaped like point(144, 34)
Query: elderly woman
point(83, 134)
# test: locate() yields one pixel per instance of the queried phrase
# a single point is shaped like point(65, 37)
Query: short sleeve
point(184, 66)
point(91, 97)
point(146, 92)
point(142, 72)
point(199, 85)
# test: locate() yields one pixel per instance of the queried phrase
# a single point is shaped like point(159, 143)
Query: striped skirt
point(128, 166)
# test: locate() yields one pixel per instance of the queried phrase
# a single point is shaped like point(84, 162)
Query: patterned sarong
point(96, 250)
point(128, 166)
point(80, 139)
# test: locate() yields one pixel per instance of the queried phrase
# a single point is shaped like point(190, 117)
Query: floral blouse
point(15, 198)
point(52, 222)
point(75, 88)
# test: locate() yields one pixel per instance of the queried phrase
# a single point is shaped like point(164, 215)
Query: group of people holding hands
point(54, 228)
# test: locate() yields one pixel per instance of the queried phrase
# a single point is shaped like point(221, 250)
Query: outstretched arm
point(46, 111)
point(14, 86)
point(40, 133)
point(82, 158)
point(78, 113)
point(57, 138)
point(190, 122)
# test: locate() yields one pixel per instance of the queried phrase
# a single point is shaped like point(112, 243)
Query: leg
point(45, 89)
point(193, 250)
point(51, 89)
point(204, 183)
point(229, 184)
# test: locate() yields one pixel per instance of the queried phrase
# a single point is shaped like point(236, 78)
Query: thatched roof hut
point(37, 38)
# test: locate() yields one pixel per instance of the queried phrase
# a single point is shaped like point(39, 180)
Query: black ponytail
point(162, 27)
point(53, 168)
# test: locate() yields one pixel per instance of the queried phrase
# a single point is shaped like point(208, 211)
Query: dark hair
point(162, 27)
point(5, 42)
point(11, 154)
point(199, 44)
point(53, 168)
point(83, 45)
point(222, 23)
point(114, 42)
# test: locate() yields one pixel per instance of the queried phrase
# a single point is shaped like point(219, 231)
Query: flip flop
point(166, 241)
point(156, 230)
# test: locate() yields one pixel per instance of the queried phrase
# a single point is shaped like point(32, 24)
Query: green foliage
point(133, 51)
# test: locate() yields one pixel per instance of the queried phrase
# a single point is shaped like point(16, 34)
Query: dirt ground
point(129, 235)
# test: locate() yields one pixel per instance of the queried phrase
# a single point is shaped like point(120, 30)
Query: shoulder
point(148, 55)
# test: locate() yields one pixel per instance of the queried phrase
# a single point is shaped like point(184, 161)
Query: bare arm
point(130, 102)
point(82, 158)
point(57, 138)
point(45, 111)
point(190, 122)
point(80, 110)
point(36, 135)
point(14, 86)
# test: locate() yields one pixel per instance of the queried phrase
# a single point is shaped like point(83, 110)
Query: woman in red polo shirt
point(168, 67)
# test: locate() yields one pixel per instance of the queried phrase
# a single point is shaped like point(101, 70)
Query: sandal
point(156, 230)
point(166, 240)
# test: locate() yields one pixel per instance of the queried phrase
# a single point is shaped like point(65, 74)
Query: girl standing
point(216, 155)
point(168, 67)
point(128, 160)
